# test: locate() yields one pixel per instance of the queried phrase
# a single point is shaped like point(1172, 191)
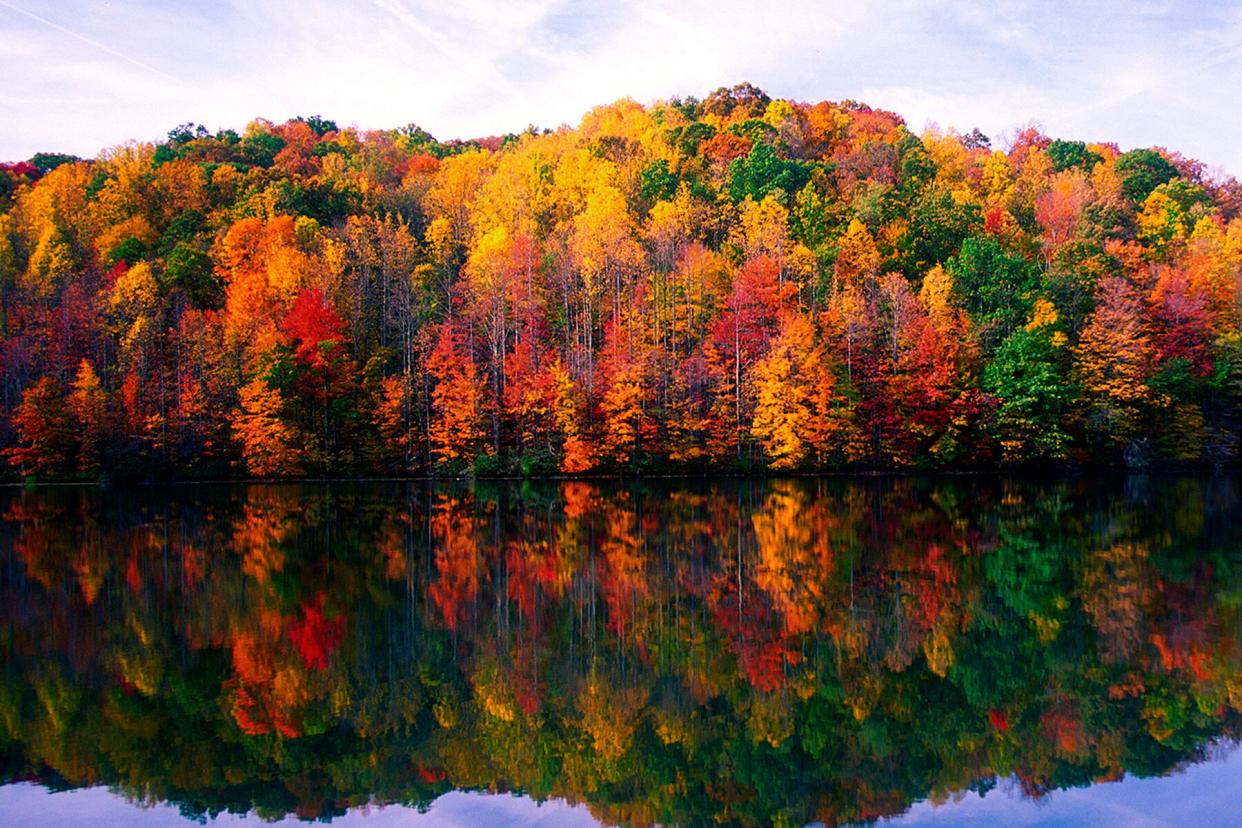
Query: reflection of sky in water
point(30, 806)
point(1206, 794)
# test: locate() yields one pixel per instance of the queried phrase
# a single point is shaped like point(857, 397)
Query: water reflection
point(742, 651)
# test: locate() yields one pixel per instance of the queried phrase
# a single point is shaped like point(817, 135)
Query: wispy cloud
point(83, 74)
point(90, 41)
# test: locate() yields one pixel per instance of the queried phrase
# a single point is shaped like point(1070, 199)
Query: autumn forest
point(736, 283)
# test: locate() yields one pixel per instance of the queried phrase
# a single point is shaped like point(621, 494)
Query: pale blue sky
point(80, 75)
point(1203, 794)
point(31, 806)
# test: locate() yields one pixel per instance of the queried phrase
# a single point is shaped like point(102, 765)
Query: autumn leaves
point(736, 283)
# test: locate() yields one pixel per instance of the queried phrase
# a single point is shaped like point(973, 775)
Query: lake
point(925, 650)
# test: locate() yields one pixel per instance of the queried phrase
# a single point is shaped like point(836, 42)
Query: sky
point(32, 806)
point(1203, 794)
point(83, 75)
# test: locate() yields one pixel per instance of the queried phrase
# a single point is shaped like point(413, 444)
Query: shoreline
point(1075, 472)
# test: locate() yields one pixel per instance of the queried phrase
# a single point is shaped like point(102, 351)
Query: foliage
point(622, 296)
point(731, 651)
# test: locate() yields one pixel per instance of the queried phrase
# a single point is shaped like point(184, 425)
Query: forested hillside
point(732, 283)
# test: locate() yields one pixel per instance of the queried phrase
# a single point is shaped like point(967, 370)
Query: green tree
point(1027, 378)
point(994, 286)
point(658, 184)
point(1142, 171)
point(191, 270)
point(763, 171)
point(938, 224)
point(1067, 154)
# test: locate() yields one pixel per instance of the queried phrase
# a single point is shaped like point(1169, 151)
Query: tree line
point(733, 283)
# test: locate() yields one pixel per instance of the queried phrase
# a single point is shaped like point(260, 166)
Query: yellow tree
point(179, 186)
point(577, 454)
point(50, 263)
point(451, 198)
point(858, 258)
point(8, 255)
point(391, 418)
point(270, 446)
point(621, 377)
point(53, 221)
point(500, 281)
point(604, 245)
point(670, 229)
point(516, 196)
point(764, 230)
point(132, 304)
point(88, 402)
point(997, 181)
point(1213, 257)
point(127, 178)
point(800, 411)
point(782, 403)
point(671, 225)
point(1113, 361)
point(265, 267)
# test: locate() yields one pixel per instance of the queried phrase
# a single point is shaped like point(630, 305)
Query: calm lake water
point(927, 650)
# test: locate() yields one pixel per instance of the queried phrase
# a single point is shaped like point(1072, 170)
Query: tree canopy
point(663, 286)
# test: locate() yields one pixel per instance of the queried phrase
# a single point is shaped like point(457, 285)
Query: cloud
point(84, 74)
point(36, 807)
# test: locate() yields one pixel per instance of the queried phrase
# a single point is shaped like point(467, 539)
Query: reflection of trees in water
point(739, 650)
